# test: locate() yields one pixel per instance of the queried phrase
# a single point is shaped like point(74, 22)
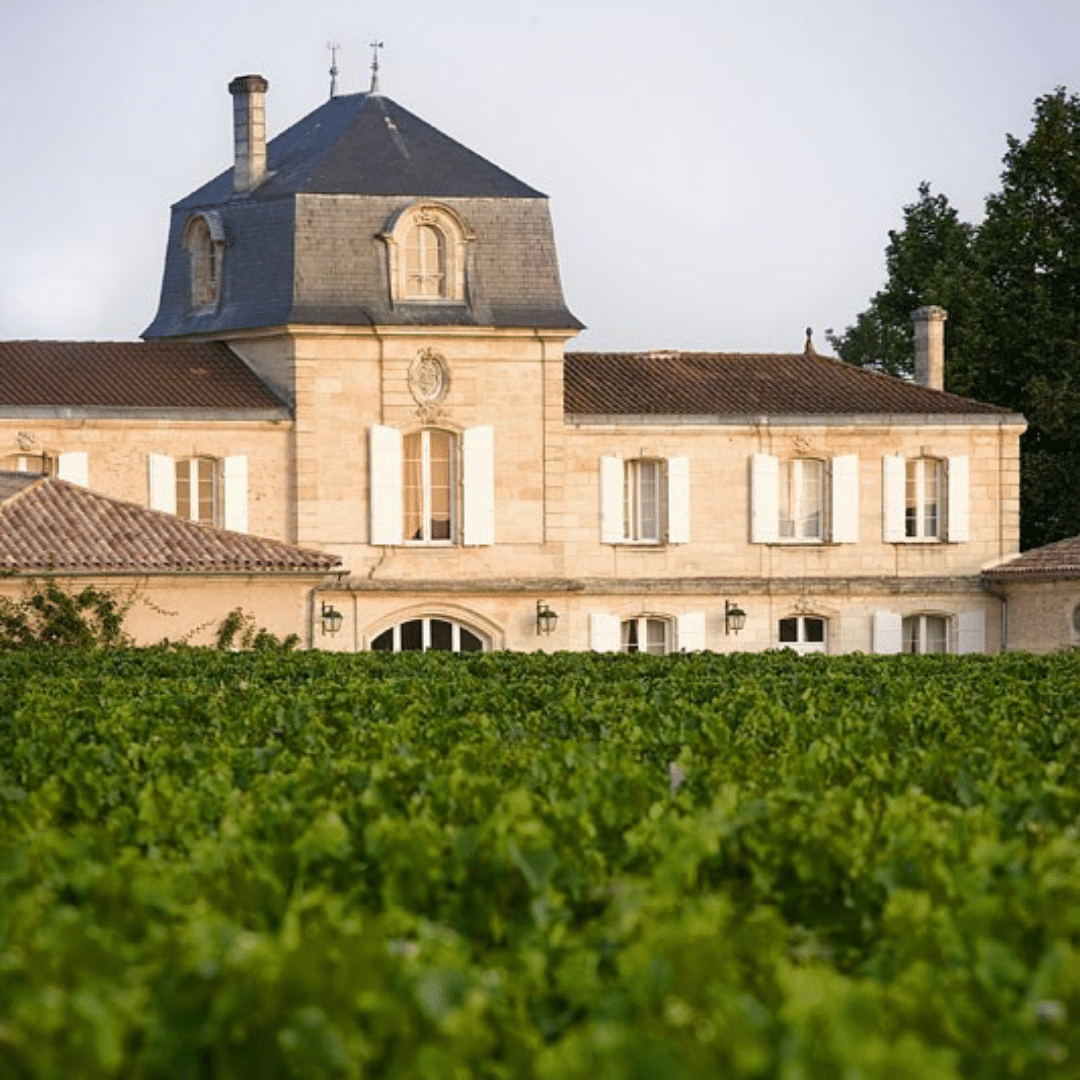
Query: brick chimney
point(930, 346)
point(249, 131)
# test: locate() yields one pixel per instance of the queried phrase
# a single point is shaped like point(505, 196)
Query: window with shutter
point(644, 500)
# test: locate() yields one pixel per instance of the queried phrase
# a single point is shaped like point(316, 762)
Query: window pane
point(412, 486)
point(183, 488)
point(937, 637)
point(656, 636)
point(630, 635)
point(814, 629)
point(384, 642)
point(911, 503)
point(811, 499)
point(205, 475)
point(425, 262)
point(439, 444)
point(412, 635)
point(930, 497)
point(442, 635)
point(470, 642)
point(789, 629)
point(911, 634)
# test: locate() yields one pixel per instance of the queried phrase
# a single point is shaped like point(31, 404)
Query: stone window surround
point(456, 236)
point(204, 241)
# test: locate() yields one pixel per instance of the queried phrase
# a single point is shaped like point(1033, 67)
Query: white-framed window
point(656, 633)
point(432, 486)
point(35, 464)
point(209, 490)
point(430, 632)
point(72, 466)
point(204, 241)
point(925, 634)
point(644, 500)
point(925, 499)
point(803, 633)
point(804, 500)
point(426, 247)
point(647, 634)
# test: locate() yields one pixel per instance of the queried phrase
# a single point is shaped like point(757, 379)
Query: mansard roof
point(745, 385)
point(132, 375)
point(367, 144)
point(1058, 560)
point(49, 524)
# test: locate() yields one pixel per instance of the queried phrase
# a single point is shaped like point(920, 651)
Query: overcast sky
point(722, 173)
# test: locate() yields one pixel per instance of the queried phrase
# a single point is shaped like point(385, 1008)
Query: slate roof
point(1061, 559)
point(129, 375)
point(744, 384)
point(367, 144)
point(49, 524)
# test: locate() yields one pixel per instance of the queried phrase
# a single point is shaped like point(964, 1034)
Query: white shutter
point(971, 632)
point(478, 482)
point(74, 467)
point(605, 633)
point(384, 458)
point(611, 500)
point(690, 632)
point(893, 472)
point(764, 499)
point(235, 478)
point(162, 483)
point(956, 504)
point(888, 632)
point(678, 500)
point(845, 499)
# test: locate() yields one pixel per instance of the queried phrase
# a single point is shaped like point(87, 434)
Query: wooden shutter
point(893, 473)
point(690, 632)
point(384, 458)
point(162, 483)
point(234, 475)
point(887, 633)
point(611, 500)
point(478, 483)
point(74, 467)
point(971, 632)
point(605, 633)
point(678, 496)
point(844, 487)
point(764, 499)
point(956, 502)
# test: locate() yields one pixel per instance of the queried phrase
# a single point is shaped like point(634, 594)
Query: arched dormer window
point(426, 249)
point(204, 241)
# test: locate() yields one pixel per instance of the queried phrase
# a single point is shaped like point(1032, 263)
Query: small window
point(924, 490)
point(429, 486)
point(803, 633)
point(35, 464)
point(426, 246)
point(646, 634)
point(197, 490)
point(644, 501)
point(925, 634)
point(203, 240)
point(802, 499)
point(430, 633)
point(425, 263)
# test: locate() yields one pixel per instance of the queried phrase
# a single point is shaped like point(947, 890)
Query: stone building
point(361, 348)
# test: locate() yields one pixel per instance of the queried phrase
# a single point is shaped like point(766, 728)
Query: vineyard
point(434, 867)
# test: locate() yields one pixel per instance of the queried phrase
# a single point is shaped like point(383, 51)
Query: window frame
point(917, 622)
point(803, 644)
point(457, 627)
point(790, 499)
point(204, 241)
point(916, 501)
point(638, 627)
point(635, 529)
point(453, 493)
point(200, 468)
point(454, 237)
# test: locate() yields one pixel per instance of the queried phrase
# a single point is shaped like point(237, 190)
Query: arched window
point(430, 632)
point(426, 247)
point(803, 633)
point(429, 485)
point(925, 634)
point(647, 634)
point(204, 242)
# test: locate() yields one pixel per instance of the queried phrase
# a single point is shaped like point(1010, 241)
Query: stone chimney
point(930, 346)
point(249, 131)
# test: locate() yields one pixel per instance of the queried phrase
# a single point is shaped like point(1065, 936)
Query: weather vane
point(333, 46)
point(375, 47)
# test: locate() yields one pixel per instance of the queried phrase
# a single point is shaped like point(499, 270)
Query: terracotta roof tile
point(47, 523)
point(1060, 559)
point(129, 374)
point(743, 384)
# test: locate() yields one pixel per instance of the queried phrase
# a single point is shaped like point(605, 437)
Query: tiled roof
point(743, 384)
point(47, 523)
point(129, 374)
point(1061, 559)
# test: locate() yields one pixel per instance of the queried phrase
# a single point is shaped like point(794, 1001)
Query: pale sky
point(722, 173)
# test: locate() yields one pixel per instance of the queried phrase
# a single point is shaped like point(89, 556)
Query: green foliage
point(49, 615)
point(551, 867)
point(1012, 289)
point(238, 630)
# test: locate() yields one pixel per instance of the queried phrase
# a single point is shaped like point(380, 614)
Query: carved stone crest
point(801, 444)
point(27, 440)
point(429, 379)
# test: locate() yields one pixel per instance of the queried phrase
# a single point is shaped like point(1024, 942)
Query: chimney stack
point(249, 131)
point(930, 346)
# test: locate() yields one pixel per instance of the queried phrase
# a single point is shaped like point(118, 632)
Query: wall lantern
point(331, 619)
point(545, 618)
point(734, 618)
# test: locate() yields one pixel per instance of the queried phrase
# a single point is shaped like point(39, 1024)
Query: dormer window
point(204, 241)
point(426, 252)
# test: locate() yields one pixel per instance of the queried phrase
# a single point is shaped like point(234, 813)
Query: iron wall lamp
point(734, 618)
point(331, 619)
point(545, 618)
